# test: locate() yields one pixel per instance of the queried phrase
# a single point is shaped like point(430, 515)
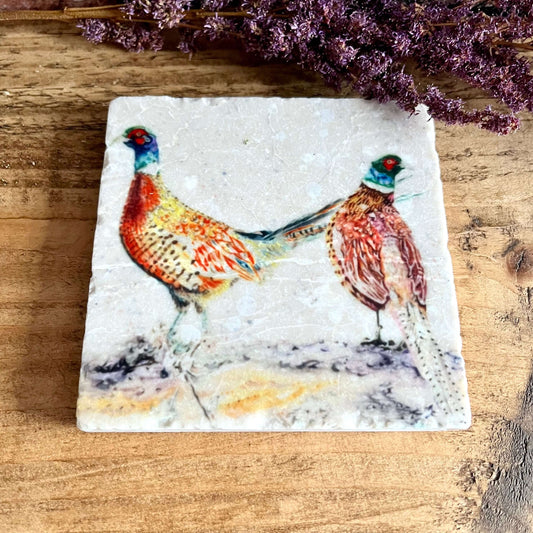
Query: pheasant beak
point(128, 141)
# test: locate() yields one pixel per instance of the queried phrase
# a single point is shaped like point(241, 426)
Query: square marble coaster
point(244, 252)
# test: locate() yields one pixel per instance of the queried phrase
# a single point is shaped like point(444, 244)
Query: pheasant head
point(144, 144)
point(382, 173)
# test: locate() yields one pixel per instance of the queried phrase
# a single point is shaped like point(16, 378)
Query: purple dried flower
point(216, 27)
point(133, 37)
point(363, 44)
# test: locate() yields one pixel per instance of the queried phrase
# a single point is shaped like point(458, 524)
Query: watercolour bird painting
point(373, 251)
point(195, 256)
point(270, 264)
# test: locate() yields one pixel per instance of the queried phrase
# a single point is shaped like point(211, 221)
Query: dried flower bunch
point(365, 44)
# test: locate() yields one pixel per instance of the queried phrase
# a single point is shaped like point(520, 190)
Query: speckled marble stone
point(246, 328)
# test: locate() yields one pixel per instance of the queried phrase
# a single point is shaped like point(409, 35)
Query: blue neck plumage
point(379, 181)
point(144, 157)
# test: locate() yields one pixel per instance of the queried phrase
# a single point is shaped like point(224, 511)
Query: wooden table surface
point(54, 93)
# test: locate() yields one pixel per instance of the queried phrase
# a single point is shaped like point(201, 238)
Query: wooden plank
point(54, 93)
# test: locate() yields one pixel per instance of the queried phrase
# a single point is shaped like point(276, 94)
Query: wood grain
point(54, 92)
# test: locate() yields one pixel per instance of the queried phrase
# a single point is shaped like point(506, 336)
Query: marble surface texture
point(284, 342)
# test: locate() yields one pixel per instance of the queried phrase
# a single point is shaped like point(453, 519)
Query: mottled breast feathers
point(182, 247)
point(368, 242)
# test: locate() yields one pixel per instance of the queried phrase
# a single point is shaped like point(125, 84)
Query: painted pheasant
point(373, 251)
point(195, 256)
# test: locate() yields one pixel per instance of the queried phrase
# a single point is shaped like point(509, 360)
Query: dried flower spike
point(362, 44)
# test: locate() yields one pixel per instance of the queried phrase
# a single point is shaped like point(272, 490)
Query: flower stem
point(113, 12)
point(103, 12)
point(68, 14)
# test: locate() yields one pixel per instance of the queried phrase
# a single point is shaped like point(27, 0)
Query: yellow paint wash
point(119, 403)
point(261, 391)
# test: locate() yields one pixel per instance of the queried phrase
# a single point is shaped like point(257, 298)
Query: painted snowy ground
point(317, 386)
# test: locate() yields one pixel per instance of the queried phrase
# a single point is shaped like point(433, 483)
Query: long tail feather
point(300, 228)
point(434, 365)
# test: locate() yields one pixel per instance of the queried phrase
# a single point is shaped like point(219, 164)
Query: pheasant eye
point(389, 164)
point(140, 140)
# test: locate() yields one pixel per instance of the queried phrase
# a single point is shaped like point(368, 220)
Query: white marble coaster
point(244, 252)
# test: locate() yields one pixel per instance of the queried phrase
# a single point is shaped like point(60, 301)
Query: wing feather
point(212, 246)
point(368, 249)
point(357, 251)
point(410, 255)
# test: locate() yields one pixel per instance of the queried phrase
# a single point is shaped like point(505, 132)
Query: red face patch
point(390, 163)
point(139, 135)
